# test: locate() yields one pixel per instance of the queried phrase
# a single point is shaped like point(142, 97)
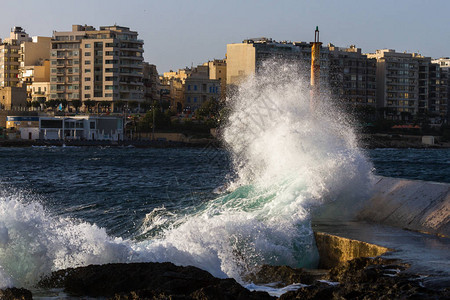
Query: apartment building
point(244, 59)
point(409, 84)
point(352, 76)
point(398, 82)
point(190, 88)
point(152, 86)
point(10, 57)
point(104, 65)
point(444, 87)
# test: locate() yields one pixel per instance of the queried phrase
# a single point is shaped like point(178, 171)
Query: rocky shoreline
point(359, 278)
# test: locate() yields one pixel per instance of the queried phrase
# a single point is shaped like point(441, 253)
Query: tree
point(35, 104)
point(89, 104)
point(53, 103)
point(76, 104)
point(209, 109)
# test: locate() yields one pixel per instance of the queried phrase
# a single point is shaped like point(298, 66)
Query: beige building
point(100, 65)
point(13, 97)
point(218, 70)
point(37, 79)
point(189, 88)
point(10, 57)
point(407, 84)
point(245, 58)
point(9, 64)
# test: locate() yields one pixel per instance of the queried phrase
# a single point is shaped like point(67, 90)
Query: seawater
point(227, 211)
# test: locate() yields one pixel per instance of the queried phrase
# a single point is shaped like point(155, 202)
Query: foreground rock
point(15, 294)
point(147, 281)
point(370, 278)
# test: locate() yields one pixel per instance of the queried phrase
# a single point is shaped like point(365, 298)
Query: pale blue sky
point(180, 33)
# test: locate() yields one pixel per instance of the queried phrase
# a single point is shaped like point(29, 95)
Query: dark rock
point(285, 275)
point(15, 294)
point(370, 278)
point(147, 281)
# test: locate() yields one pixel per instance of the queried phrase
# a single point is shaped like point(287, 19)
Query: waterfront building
point(67, 128)
point(352, 76)
point(245, 59)
point(104, 65)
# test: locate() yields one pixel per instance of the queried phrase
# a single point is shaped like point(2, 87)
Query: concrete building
point(152, 85)
point(101, 65)
point(352, 76)
point(444, 88)
point(218, 70)
point(398, 82)
point(9, 64)
point(13, 97)
point(10, 54)
point(244, 59)
point(409, 84)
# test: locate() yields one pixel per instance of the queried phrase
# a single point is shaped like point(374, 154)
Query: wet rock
point(369, 278)
point(284, 275)
point(147, 281)
point(15, 294)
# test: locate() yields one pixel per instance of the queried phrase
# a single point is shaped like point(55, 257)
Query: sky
point(182, 33)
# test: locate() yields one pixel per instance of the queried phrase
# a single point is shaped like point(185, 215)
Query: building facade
point(104, 65)
point(190, 88)
point(352, 76)
point(67, 128)
point(408, 85)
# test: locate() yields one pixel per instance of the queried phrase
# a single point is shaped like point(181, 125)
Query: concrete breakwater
point(409, 204)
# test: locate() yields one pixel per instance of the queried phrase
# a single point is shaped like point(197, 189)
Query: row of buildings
point(106, 65)
point(399, 85)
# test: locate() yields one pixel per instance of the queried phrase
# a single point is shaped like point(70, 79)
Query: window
point(87, 95)
point(87, 46)
point(87, 87)
point(87, 79)
point(87, 62)
point(87, 54)
point(87, 70)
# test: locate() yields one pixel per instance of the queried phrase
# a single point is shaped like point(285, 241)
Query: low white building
point(81, 128)
point(102, 128)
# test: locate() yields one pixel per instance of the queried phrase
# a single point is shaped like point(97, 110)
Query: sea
point(226, 210)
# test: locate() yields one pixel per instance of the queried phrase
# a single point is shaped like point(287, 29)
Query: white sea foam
point(287, 160)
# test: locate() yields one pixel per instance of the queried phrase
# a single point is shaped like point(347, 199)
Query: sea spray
point(287, 160)
point(34, 243)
